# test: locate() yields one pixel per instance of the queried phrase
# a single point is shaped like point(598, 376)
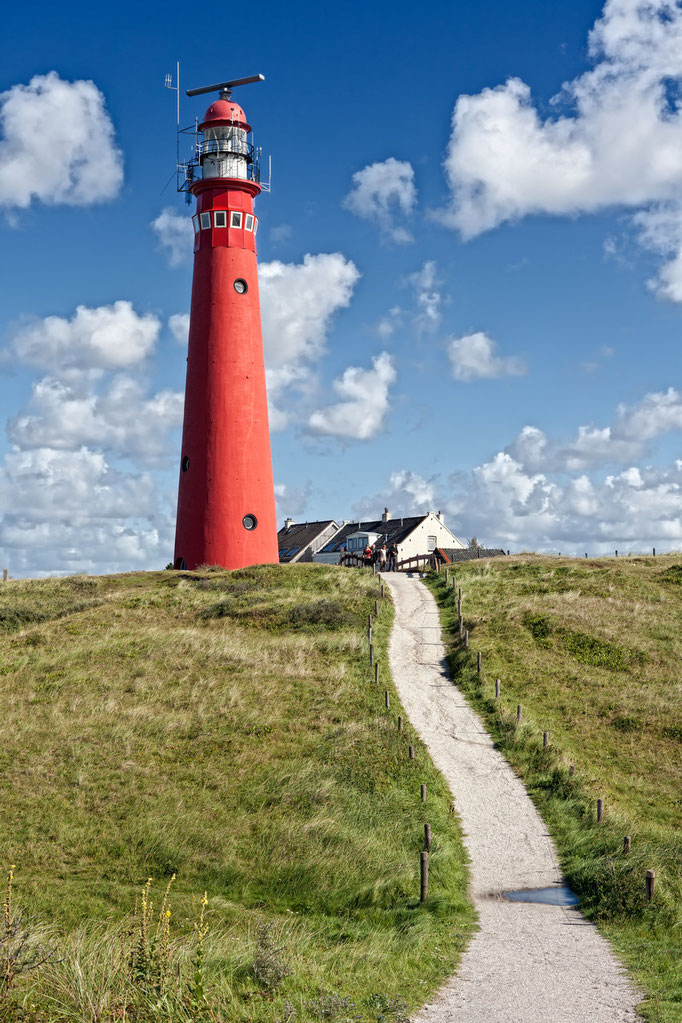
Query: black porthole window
point(249, 522)
point(185, 463)
point(240, 286)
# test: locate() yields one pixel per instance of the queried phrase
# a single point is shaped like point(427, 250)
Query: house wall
point(418, 540)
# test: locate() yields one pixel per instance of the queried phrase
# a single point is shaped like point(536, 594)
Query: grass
point(224, 728)
point(591, 650)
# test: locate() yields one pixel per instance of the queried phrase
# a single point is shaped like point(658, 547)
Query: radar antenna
point(225, 88)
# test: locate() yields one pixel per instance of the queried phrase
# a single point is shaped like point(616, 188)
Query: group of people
point(385, 558)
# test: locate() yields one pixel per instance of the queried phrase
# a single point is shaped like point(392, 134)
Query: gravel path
point(529, 963)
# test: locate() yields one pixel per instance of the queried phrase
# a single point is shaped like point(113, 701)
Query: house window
point(255, 224)
point(205, 220)
point(220, 218)
point(235, 220)
point(431, 544)
point(195, 221)
point(248, 222)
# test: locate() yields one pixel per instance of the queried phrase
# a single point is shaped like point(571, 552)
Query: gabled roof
point(469, 553)
point(295, 538)
point(395, 530)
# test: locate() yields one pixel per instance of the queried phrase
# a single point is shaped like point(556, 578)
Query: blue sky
point(479, 315)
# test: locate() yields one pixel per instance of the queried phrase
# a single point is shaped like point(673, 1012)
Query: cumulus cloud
point(69, 511)
point(64, 505)
point(122, 420)
point(383, 193)
point(619, 145)
point(57, 144)
point(175, 235)
point(364, 402)
point(105, 338)
point(629, 437)
point(298, 303)
point(474, 357)
point(636, 508)
point(407, 493)
point(179, 327)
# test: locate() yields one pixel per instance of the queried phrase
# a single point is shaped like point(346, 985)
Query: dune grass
point(223, 728)
point(591, 650)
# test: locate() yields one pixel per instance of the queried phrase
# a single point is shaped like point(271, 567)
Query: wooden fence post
point(626, 844)
point(382, 590)
point(424, 879)
point(376, 674)
point(466, 639)
point(519, 714)
point(376, 607)
point(371, 654)
point(545, 740)
point(410, 752)
point(427, 837)
point(600, 810)
point(387, 699)
point(650, 882)
point(497, 688)
point(478, 662)
point(400, 723)
point(423, 793)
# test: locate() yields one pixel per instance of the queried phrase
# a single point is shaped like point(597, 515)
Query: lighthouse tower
point(226, 500)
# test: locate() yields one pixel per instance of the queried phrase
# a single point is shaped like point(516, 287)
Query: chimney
point(386, 516)
point(441, 517)
point(288, 523)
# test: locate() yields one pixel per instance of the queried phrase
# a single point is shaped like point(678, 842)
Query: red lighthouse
point(226, 500)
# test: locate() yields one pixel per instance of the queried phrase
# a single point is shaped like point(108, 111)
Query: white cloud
point(298, 302)
point(474, 357)
point(364, 401)
point(385, 192)
point(106, 338)
point(175, 234)
point(425, 284)
point(69, 511)
point(619, 145)
point(57, 144)
point(179, 327)
point(627, 438)
point(512, 508)
point(389, 323)
point(407, 493)
point(122, 420)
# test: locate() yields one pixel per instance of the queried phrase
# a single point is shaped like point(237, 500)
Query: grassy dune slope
point(592, 651)
point(223, 727)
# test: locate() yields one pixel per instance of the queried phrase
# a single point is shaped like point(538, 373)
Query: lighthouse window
point(249, 522)
point(195, 221)
point(236, 220)
point(205, 220)
point(240, 286)
point(220, 218)
point(249, 222)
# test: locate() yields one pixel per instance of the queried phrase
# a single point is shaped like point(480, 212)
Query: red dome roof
point(224, 111)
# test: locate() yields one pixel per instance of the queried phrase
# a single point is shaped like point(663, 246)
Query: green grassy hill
point(225, 729)
point(592, 652)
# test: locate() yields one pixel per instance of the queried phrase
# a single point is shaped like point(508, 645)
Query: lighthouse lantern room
point(226, 502)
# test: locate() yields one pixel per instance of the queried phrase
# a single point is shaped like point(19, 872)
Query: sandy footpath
point(528, 963)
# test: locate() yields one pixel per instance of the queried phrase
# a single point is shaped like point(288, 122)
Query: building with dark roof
point(413, 535)
point(299, 541)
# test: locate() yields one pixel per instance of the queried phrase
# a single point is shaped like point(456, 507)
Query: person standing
point(393, 557)
point(381, 558)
